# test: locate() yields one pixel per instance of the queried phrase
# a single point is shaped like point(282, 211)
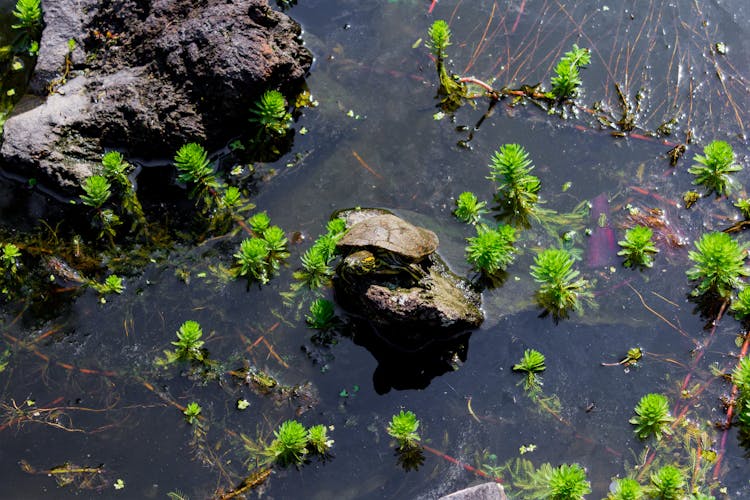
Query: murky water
point(94, 363)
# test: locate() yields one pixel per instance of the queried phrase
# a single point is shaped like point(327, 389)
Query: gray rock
point(484, 491)
point(155, 75)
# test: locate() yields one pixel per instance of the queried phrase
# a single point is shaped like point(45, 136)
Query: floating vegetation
point(469, 209)
point(491, 250)
point(403, 427)
point(567, 80)
point(270, 113)
point(652, 417)
point(517, 190)
point(531, 365)
point(637, 247)
point(561, 290)
point(714, 167)
point(191, 412)
point(719, 263)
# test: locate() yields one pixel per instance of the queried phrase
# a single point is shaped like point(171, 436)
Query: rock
point(484, 491)
point(154, 75)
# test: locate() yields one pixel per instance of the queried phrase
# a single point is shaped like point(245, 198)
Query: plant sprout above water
point(714, 167)
point(719, 264)
point(637, 247)
point(403, 428)
point(652, 416)
point(290, 444)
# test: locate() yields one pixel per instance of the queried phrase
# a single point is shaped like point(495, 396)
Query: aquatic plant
point(637, 247)
point(469, 209)
point(440, 38)
point(652, 416)
point(719, 265)
point(276, 241)
point(568, 482)
point(741, 306)
point(561, 289)
point(191, 412)
point(321, 314)
point(270, 112)
point(188, 346)
point(315, 270)
point(531, 364)
point(491, 250)
point(191, 160)
point(567, 79)
point(9, 258)
point(259, 223)
point(112, 284)
point(744, 205)
point(741, 377)
point(516, 188)
point(450, 89)
point(290, 443)
point(252, 259)
point(317, 439)
point(116, 169)
point(714, 166)
point(336, 227)
point(97, 191)
point(29, 14)
point(667, 483)
point(626, 489)
point(403, 428)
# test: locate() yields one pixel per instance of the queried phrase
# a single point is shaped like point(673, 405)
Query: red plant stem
point(458, 462)
point(518, 18)
point(432, 6)
point(730, 411)
point(476, 81)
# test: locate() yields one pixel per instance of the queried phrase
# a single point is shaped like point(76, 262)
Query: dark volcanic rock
point(154, 75)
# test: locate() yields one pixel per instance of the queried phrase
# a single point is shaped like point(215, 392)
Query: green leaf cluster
point(29, 14)
point(567, 79)
point(667, 483)
point(637, 247)
point(116, 170)
point(491, 250)
point(322, 314)
point(440, 38)
point(270, 112)
point(566, 482)
point(292, 442)
point(714, 167)
point(403, 427)
point(531, 364)
point(719, 264)
point(741, 305)
point(112, 284)
point(188, 346)
point(517, 190)
point(561, 289)
point(191, 161)
point(652, 416)
point(626, 489)
point(469, 209)
point(191, 412)
point(260, 256)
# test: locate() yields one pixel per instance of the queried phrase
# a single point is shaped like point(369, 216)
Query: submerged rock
point(146, 77)
point(391, 275)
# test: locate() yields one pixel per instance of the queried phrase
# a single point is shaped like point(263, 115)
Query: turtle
point(384, 244)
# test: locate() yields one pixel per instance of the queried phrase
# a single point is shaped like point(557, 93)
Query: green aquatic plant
point(9, 258)
point(403, 427)
point(321, 314)
point(290, 443)
point(491, 250)
point(112, 284)
point(744, 205)
point(637, 247)
point(451, 90)
point(315, 271)
point(252, 259)
point(561, 289)
point(719, 264)
point(336, 227)
point(191, 161)
point(116, 169)
point(188, 346)
point(714, 167)
point(568, 482)
point(97, 191)
point(652, 416)
point(517, 190)
point(191, 412)
point(259, 223)
point(667, 483)
point(317, 439)
point(440, 38)
point(567, 79)
point(270, 112)
point(29, 14)
point(531, 364)
point(276, 241)
point(626, 489)
point(469, 209)
point(741, 378)
point(741, 306)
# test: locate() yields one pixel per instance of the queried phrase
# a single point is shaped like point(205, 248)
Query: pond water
point(373, 140)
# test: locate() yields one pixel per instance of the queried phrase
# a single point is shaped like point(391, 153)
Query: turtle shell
point(393, 234)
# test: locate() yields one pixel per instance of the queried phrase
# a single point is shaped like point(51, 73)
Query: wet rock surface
point(410, 299)
point(146, 77)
